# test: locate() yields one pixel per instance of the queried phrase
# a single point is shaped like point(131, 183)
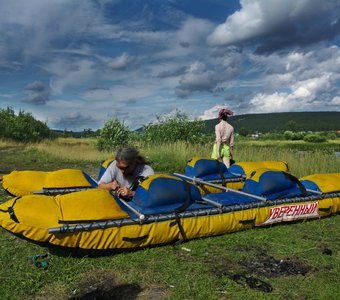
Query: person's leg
point(225, 153)
point(226, 161)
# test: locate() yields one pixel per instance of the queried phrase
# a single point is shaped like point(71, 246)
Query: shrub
point(243, 131)
point(172, 129)
point(114, 134)
point(297, 136)
point(288, 134)
point(331, 135)
point(315, 138)
point(22, 127)
point(272, 136)
point(294, 136)
point(291, 125)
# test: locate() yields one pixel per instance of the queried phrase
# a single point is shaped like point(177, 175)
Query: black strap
point(248, 222)
point(9, 193)
point(12, 214)
point(325, 209)
point(135, 239)
point(180, 227)
point(187, 201)
point(286, 165)
point(181, 208)
point(297, 181)
point(135, 183)
point(220, 172)
point(10, 210)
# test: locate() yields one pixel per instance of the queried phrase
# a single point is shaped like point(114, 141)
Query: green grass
point(198, 269)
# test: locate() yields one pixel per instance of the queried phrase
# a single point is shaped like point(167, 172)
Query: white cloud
point(35, 27)
point(311, 87)
point(197, 78)
point(211, 113)
point(304, 95)
point(7, 95)
point(65, 73)
point(121, 62)
point(277, 18)
point(194, 31)
point(336, 101)
point(276, 102)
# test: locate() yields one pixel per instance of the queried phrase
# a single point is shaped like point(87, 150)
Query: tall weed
point(72, 149)
point(172, 157)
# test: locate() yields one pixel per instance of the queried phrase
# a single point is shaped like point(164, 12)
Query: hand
point(125, 192)
point(114, 185)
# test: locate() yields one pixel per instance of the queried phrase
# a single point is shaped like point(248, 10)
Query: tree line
point(23, 127)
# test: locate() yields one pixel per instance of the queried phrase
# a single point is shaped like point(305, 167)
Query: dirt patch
point(327, 251)
point(252, 272)
point(242, 278)
point(246, 280)
point(103, 285)
point(269, 266)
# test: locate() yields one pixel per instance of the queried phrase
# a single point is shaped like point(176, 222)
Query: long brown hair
point(130, 155)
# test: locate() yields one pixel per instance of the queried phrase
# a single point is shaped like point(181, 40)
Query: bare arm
point(218, 142)
point(232, 143)
point(114, 185)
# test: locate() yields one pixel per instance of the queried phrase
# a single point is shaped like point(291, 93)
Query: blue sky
point(78, 63)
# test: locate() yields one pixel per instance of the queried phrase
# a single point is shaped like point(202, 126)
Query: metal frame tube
point(200, 181)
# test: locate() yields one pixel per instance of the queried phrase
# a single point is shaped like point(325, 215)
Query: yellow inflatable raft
point(168, 208)
point(21, 183)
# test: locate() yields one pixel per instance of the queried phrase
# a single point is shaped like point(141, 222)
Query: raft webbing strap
point(297, 181)
point(10, 210)
point(325, 209)
point(134, 185)
point(12, 214)
point(180, 209)
point(221, 173)
point(181, 229)
point(9, 193)
point(135, 239)
point(186, 204)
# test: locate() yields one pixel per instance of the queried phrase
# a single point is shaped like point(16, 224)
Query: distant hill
point(302, 121)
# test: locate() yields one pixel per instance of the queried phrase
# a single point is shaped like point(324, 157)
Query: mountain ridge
point(276, 122)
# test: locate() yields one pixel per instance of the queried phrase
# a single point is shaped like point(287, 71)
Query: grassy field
point(296, 261)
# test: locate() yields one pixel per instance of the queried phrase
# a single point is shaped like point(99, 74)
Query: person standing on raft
point(224, 146)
